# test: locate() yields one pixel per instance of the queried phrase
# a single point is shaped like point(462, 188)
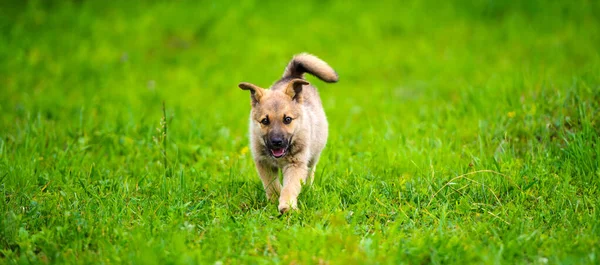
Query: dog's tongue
point(278, 152)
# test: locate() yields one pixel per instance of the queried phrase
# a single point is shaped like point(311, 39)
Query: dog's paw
point(287, 206)
point(283, 209)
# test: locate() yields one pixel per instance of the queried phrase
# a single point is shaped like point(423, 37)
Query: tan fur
point(311, 64)
point(305, 135)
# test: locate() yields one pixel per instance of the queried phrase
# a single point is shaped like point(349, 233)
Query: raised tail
point(308, 63)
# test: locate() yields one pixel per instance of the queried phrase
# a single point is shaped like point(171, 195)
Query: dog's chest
point(278, 162)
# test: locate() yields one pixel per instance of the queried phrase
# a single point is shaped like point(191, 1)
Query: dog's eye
point(287, 120)
point(265, 121)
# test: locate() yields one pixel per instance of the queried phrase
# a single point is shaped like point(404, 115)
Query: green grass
point(463, 132)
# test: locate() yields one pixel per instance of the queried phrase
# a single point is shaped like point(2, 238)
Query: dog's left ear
point(294, 89)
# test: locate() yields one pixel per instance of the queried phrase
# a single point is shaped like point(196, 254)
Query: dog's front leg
point(270, 180)
point(293, 176)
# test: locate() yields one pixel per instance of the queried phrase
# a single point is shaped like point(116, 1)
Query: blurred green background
point(506, 92)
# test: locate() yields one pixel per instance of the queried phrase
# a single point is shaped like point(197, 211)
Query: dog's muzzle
point(278, 146)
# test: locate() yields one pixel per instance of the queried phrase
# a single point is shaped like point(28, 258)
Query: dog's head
point(276, 114)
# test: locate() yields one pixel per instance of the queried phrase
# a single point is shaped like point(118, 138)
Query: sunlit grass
point(459, 132)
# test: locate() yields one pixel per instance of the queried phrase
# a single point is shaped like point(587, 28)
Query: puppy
point(288, 129)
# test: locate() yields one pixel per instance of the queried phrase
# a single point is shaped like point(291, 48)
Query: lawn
point(463, 132)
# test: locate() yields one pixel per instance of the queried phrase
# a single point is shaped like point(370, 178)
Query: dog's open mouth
point(278, 152)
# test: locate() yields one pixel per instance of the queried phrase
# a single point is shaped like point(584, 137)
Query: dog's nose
point(277, 142)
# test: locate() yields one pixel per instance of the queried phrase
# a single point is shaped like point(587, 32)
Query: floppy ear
point(294, 89)
point(255, 92)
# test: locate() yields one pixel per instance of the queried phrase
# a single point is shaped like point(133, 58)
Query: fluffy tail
point(308, 63)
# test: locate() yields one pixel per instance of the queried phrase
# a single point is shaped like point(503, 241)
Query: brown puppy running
point(288, 128)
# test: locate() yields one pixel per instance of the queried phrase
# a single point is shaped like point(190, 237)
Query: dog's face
point(276, 115)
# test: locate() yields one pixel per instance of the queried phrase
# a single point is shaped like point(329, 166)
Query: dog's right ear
point(256, 92)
